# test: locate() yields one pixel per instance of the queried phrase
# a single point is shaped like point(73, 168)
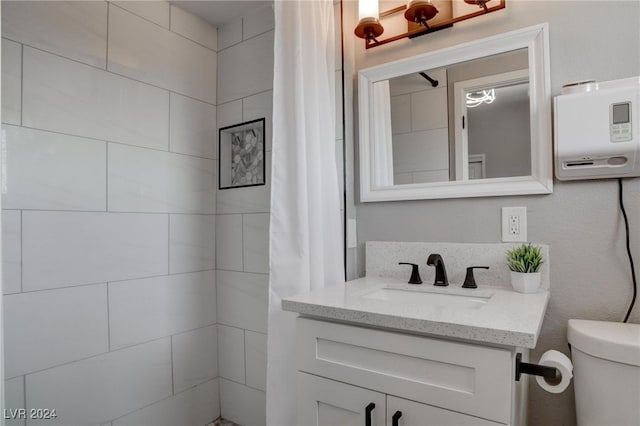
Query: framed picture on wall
point(241, 155)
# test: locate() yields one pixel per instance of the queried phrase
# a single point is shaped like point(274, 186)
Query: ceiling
point(219, 12)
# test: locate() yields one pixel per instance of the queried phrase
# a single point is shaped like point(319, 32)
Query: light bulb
point(368, 9)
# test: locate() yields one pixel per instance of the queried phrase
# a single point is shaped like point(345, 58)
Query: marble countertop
point(507, 318)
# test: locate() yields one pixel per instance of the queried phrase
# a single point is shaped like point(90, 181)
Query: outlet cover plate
point(514, 224)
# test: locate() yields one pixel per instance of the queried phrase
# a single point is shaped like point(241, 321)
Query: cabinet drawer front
point(416, 414)
point(323, 402)
point(462, 377)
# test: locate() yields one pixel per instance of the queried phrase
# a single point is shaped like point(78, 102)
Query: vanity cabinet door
point(323, 402)
point(416, 414)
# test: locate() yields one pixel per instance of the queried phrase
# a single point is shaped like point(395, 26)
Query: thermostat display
point(620, 122)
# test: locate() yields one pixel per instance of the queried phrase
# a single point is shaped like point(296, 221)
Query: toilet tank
point(606, 360)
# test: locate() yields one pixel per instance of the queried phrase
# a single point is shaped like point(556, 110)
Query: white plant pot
point(525, 282)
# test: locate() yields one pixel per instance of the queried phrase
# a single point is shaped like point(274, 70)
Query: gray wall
point(581, 222)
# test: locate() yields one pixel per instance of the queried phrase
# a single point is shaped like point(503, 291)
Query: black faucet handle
point(469, 280)
point(415, 274)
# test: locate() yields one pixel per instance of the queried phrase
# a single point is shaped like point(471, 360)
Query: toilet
point(606, 360)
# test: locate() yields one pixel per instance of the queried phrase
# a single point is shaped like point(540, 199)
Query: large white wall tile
point(154, 11)
point(145, 180)
point(252, 199)
point(421, 151)
point(260, 106)
point(14, 400)
point(149, 308)
point(69, 248)
point(255, 247)
point(230, 33)
point(195, 358)
point(71, 324)
point(193, 127)
point(428, 109)
point(147, 52)
point(242, 300)
point(68, 97)
point(231, 353)
point(98, 389)
point(52, 171)
point(256, 359)
point(246, 68)
point(258, 21)
point(230, 113)
point(11, 82)
point(229, 242)
point(193, 28)
point(76, 30)
point(11, 251)
point(401, 114)
point(242, 404)
point(192, 243)
point(195, 407)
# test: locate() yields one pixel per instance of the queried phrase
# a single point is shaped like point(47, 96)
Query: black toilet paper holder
point(550, 373)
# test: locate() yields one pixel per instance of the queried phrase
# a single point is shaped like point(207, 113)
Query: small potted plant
point(524, 262)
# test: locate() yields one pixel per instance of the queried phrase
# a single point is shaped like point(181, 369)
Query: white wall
point(245, 83)
point(581, 222)
point(108, 228)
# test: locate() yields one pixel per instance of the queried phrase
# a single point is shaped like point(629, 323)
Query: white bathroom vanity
point(379, 351)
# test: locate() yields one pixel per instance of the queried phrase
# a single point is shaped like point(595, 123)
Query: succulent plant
point(525, 258)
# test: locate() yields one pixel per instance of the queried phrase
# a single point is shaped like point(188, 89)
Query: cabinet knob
point(396, 417)
point(367, 413)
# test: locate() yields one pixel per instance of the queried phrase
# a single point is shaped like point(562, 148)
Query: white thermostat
point(596, 130)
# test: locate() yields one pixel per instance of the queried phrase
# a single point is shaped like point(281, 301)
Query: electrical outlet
point(514, 224)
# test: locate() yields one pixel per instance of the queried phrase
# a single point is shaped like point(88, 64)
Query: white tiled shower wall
point(109, 221)
point(109, 272)
point(245, 83)
point(245, 92)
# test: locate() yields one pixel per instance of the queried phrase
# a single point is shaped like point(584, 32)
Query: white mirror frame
point(536, 40)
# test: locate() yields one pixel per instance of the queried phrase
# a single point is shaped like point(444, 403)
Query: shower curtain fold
point(305, 245)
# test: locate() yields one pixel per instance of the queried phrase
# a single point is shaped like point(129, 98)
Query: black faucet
point(441, 272)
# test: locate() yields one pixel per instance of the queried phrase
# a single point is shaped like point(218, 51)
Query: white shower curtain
point(305, 243)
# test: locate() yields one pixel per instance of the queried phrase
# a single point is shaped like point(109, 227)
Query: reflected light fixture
point(480, 97)
point(418, 13)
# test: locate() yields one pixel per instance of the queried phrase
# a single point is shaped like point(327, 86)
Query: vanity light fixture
point(369, 26)
point(418, 13)
point(481, 97)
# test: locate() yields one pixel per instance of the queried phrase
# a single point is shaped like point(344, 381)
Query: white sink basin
point(425, 298)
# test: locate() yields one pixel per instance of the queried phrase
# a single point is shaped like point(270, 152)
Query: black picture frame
point(241, 155)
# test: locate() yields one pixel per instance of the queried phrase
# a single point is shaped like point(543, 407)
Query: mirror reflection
point(469, 120)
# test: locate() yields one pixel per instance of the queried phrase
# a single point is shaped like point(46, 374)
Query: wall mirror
point(472, 120)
